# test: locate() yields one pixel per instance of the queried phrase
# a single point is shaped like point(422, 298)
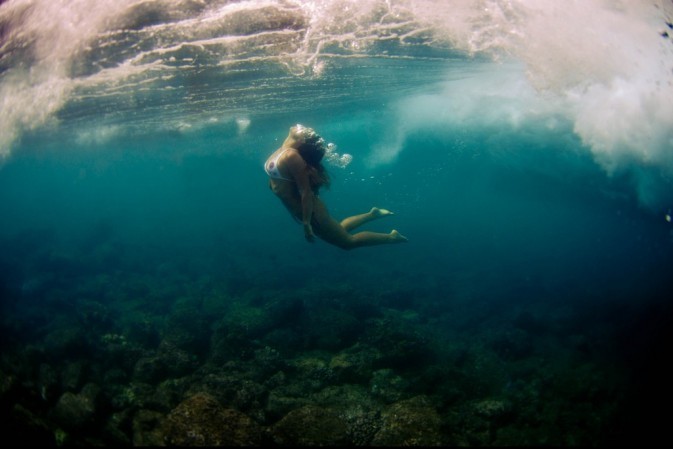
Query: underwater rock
point(482, 423)
point(491, 409)
point(169, 362)
point(285, 310)
point(345, 397)
point(362, 427)
point(329, 329)
point(355, 405)
point(120, 353)
point(133, 395)
point(290, 341)
point(188, 327)
point(235, 390)
point(413, 422)
point(478, 423)
point(268, 361)
point(235, 337)
point(276, 380)
point(310, 426)
point(74, 411)
point(279, 404)
point(354, 365)
point(244, 323)
point(8, 384)
point(117, 428)
point(149, 370)
point(47, 382)
point(71, 376)
point(201, 421)
point(63, 342)
point(23, 428)
point(177, 361)
point(143, 332)
point(147, 428)
point(402, 342)
point(94, 316)
point(115, 377)
point(387, 386)
point(168, 394)
point(308, 374)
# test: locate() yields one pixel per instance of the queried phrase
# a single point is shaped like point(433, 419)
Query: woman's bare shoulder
point(280, 154)
point(290, 154)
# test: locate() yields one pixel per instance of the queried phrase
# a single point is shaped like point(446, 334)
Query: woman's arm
point(297, 168)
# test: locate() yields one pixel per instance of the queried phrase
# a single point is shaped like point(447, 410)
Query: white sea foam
point(41, 41)
point(242, 124)
point(605, 66)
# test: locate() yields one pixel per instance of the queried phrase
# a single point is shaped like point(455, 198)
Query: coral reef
point(182, 360)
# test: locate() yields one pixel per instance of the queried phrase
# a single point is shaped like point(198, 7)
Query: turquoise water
point(145, 262)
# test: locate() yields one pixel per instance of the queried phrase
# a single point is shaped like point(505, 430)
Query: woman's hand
point(308, 232)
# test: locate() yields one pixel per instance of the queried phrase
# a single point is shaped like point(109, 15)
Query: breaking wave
point(603, 66)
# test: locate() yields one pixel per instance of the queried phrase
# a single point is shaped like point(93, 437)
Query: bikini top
point(271, 167)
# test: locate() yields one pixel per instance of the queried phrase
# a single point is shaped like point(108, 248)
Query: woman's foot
point(397, 237)
point(378, 212)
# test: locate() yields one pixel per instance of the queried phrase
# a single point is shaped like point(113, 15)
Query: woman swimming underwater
point(296, 175)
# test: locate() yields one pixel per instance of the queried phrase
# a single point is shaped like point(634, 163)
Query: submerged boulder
point(310, 426)
point(201, 421)
point(74, 411)
point(413, 422)
point(147, 428)
point(168, 362)
point(24, 428)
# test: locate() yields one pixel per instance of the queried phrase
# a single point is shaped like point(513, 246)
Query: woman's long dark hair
point(313, 151)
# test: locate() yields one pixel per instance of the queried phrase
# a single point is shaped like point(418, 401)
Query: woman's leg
point(335, 233)
point(355, 221)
